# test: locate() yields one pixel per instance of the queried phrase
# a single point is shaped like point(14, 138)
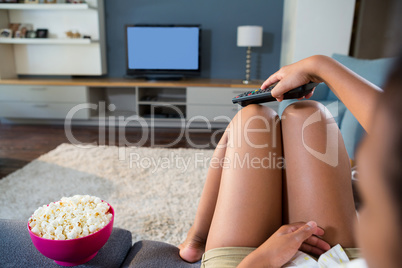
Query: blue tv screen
point(163, 49)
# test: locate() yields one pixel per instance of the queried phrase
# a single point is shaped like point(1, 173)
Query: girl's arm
point(359, 95)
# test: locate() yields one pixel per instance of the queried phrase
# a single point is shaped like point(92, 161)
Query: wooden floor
point(20, 144)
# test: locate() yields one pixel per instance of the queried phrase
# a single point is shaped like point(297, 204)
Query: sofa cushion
point(352, 132)
point(153, 254)
point(374, 71)
point(17, 250)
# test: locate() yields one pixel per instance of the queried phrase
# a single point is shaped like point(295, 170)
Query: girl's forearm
point(359, 95)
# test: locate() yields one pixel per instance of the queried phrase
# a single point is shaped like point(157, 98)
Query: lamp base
point(246, 81)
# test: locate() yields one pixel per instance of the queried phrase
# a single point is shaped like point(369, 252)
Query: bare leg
point(317, 184)
point(194, 246)
point(249, 207)
point(192, 249)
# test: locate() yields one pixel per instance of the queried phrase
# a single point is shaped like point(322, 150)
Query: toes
point(190, 254)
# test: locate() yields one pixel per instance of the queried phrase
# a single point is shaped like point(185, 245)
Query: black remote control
point(264, 95)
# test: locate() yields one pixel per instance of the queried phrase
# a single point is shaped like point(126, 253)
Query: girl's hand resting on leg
point(285, 243)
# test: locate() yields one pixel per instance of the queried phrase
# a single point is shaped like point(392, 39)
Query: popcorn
point(70, 218)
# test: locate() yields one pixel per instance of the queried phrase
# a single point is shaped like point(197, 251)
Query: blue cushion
point(352, 132)
point(374, 71)
point(321, 92)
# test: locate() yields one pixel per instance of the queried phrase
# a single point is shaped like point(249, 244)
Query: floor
point(20, 144)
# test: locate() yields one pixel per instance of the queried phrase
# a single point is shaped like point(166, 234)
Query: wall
point(316, 27)
point(221, 58)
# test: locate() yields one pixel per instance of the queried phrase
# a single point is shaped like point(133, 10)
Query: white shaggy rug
point(154, 191)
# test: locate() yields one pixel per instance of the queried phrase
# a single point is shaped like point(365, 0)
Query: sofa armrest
point(352, 133)
point(146, 254)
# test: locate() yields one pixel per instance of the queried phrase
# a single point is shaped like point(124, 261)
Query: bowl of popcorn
point(71, 231)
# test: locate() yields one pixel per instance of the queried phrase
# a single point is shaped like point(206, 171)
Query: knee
point(255, 110)
point(255, 116)
point(301, 110)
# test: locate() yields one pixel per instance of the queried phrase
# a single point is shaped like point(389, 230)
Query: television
point(163, 51)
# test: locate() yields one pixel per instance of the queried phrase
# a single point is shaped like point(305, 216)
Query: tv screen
point(163, 50)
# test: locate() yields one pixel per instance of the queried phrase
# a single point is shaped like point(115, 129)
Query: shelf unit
point(45, 6)
point(56, 55)
point(47, 41)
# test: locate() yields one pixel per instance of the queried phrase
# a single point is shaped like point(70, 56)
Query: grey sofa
point(17, 250)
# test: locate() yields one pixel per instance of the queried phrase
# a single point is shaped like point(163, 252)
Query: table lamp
point(249, 36)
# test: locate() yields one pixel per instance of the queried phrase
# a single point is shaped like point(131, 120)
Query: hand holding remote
point(264, 95)
point(294, 75)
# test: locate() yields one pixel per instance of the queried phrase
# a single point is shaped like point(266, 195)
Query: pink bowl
point(75, 251)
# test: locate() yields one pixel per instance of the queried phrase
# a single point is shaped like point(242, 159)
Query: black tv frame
point(164, 73)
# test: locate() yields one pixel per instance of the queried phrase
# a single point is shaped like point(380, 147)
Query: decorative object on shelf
point(31, 34)
point(75, 2)
point(73, 34)
point(8, 1)
point(249, 36)
point(41, 33)
point(31, 1)
point(24, 28)
point(14, 27)
point(50, 1)
point(6, 33)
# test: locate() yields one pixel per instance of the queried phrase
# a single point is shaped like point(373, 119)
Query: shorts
point(227, 257)
point(230, 257)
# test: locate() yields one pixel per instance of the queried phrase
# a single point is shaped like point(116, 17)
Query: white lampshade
point(249, 36)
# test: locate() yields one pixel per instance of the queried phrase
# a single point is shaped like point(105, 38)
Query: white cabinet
point(45, 102)
point(56, 55)
point(43, 93)
point(215, 103)
point(160, 103)
point(212, 103)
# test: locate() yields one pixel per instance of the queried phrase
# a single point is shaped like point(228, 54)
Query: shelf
point(47, 41)
point(45, 6)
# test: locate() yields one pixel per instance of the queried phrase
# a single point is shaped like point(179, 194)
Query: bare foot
point(192, 249)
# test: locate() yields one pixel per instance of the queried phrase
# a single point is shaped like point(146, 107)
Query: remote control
point(264, 95)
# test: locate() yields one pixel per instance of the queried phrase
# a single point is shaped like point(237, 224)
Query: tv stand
point(162, 77)
point(165, 77)
point(196, 102)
